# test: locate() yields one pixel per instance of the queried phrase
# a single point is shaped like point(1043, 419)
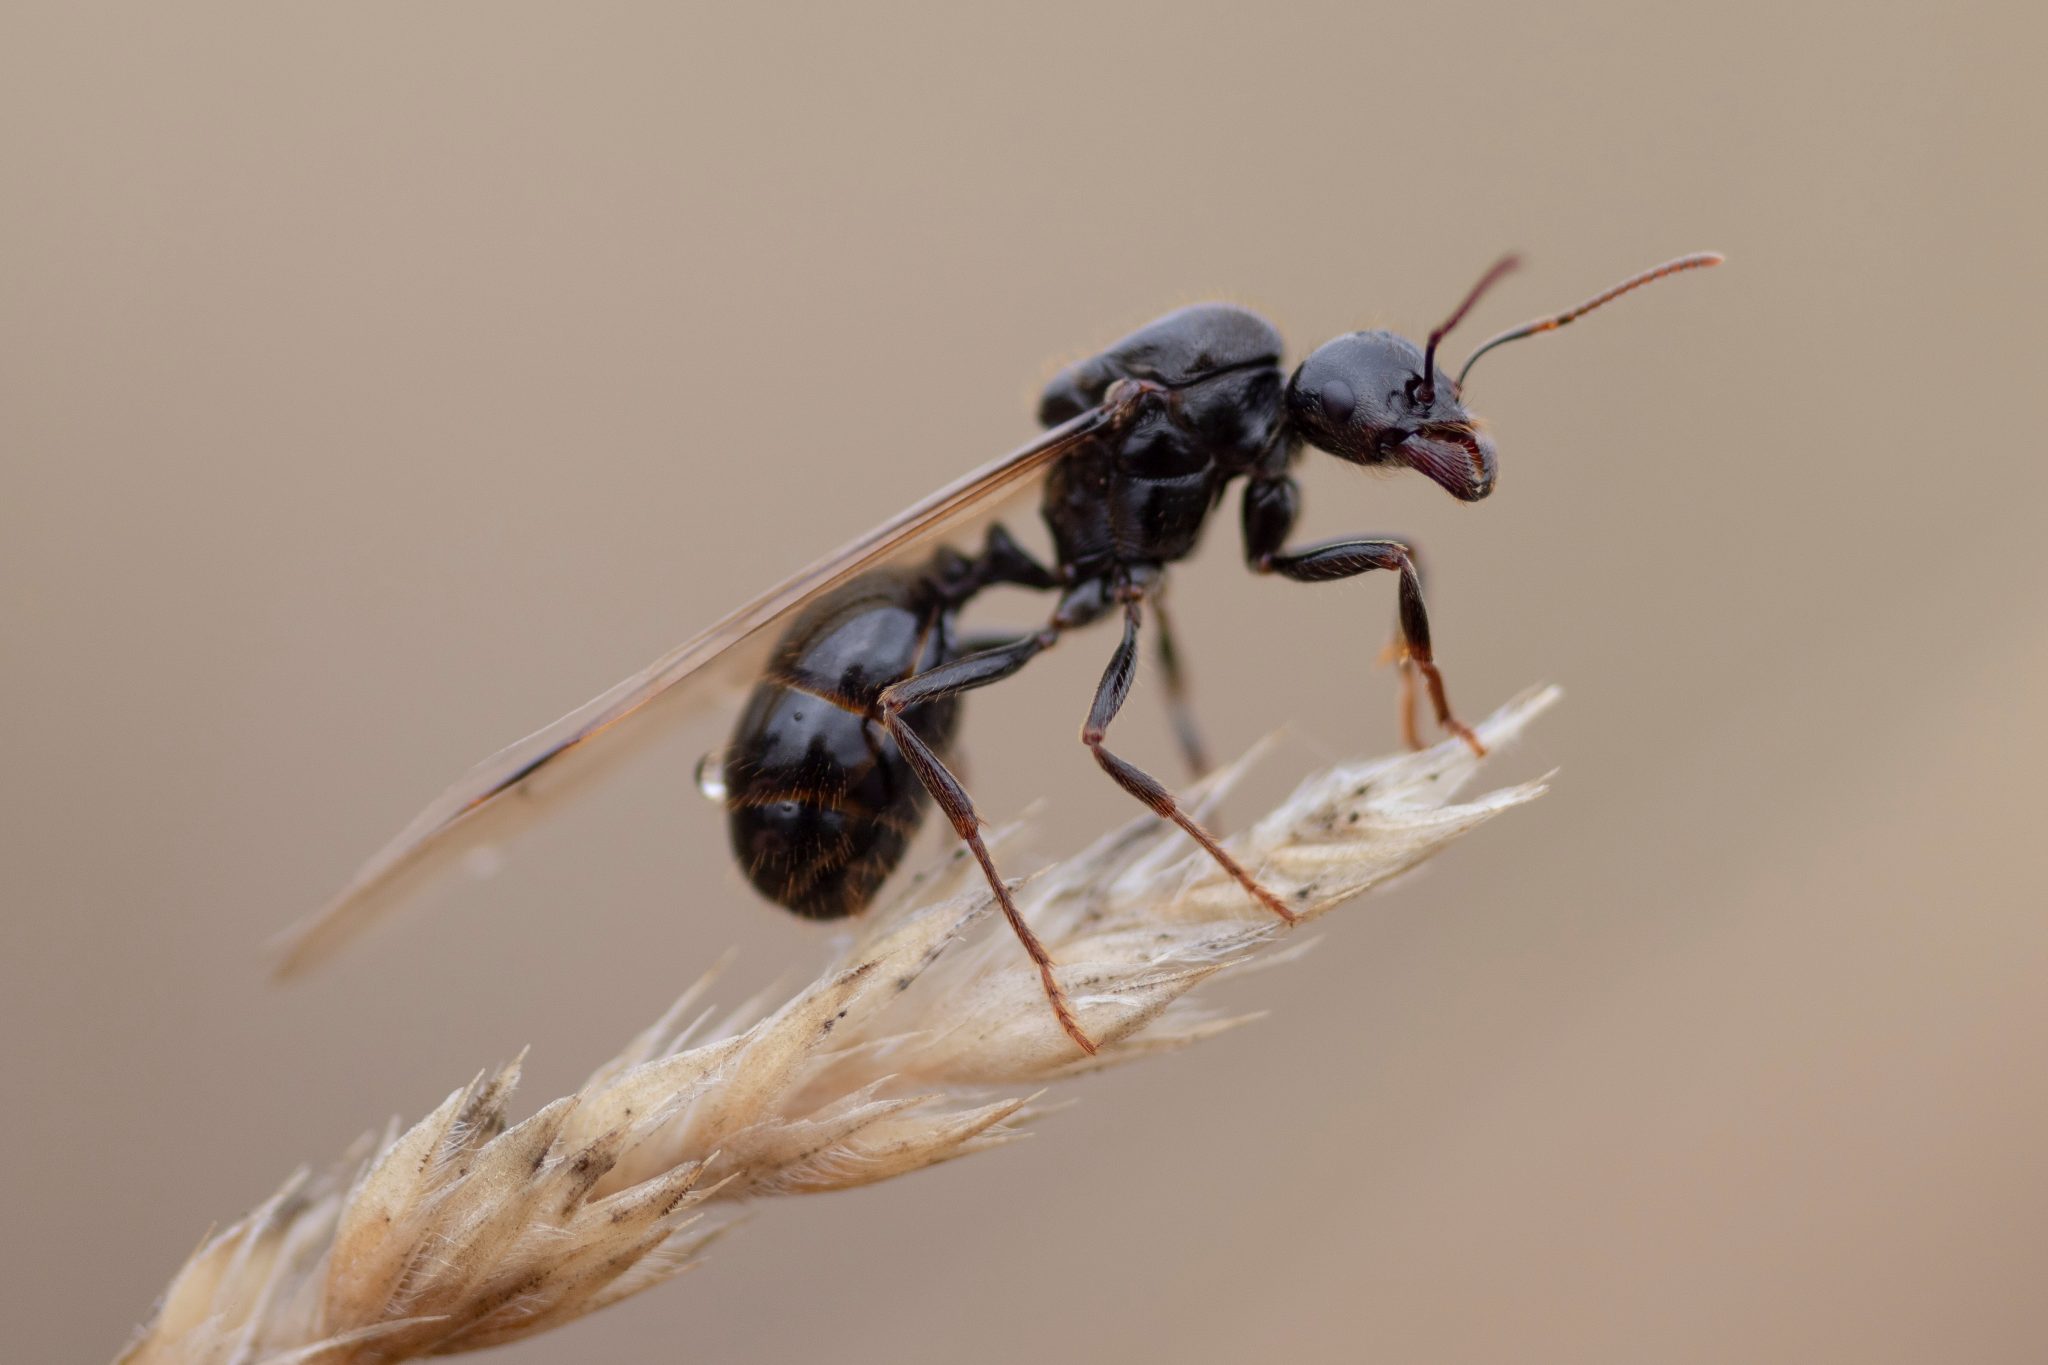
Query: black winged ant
point(845, 739)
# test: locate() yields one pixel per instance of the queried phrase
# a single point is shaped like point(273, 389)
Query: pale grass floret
point(927, 1041)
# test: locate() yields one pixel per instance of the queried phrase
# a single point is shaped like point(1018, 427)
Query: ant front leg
point(1270, 506)
point(1110, 694)
point(948, 679)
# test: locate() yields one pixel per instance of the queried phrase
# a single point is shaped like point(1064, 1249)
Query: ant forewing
point(549, 765)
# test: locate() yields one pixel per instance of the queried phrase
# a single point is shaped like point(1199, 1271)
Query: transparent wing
point(529, 779)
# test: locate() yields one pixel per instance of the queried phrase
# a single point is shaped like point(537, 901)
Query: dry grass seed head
point(467, 1231)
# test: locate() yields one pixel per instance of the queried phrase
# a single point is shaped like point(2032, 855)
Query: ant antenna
point(1527, 329)
point(1425, 392)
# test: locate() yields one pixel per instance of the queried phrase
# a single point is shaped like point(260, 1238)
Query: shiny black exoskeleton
point(820, 800)
point(862, 697)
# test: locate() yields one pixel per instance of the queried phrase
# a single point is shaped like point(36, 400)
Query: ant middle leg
point(1110, 695)
point(1346, 559)
point(963, 675)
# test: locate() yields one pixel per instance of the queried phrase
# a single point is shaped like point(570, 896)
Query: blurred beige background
point(379, 381)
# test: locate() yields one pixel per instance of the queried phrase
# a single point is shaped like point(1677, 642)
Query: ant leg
point(1347, 558)
point(971, 645)
point(1178, 707)
point(963, 675)
point(1109, 699)
point(1271, 504)
point(1395, 652)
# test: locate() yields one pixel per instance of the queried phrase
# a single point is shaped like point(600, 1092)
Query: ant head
point(1378, 399)
point(1368, 398)
point(1375, 398)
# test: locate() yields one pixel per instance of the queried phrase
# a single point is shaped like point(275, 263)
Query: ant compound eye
point(1338, 402)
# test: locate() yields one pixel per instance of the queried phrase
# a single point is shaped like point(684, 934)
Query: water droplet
point(711, 775)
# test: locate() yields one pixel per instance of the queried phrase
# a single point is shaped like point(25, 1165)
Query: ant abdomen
point(821, 803)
